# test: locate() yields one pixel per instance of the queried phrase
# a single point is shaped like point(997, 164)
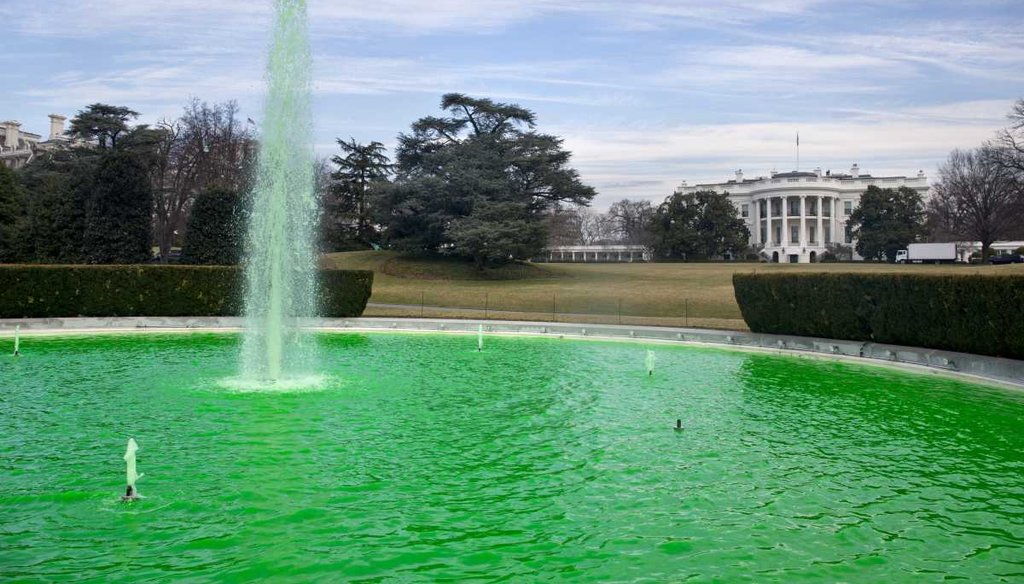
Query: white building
point(595, 254)
point(793, 216)
point(18, 148)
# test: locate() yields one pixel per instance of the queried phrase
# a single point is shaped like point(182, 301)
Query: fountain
point(649, 362)
point(131, 493)
point(280, 255)
point(17, 340)
point(480, 338)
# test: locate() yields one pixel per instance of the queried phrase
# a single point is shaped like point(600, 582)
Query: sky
point(646, 94)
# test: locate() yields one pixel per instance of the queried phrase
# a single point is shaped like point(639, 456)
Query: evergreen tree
point(478, 183)
point(118, 211)
point(361, 169)
point(215, 227)
point(53, 217)
point(102, 123)
point(10, 210)
point(700, 225)
point(886, 220)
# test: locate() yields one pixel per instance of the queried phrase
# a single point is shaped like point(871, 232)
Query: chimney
point(11, 134)
point(56, 126)
point(855, 170)
point(739, 175)
point(817, 170)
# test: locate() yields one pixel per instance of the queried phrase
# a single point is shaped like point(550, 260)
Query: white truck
point(919, 253)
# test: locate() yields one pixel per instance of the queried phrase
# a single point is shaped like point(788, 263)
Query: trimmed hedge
point(972, 314)
point(43, 291)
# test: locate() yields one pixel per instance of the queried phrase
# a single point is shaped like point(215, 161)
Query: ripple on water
point(535, 460)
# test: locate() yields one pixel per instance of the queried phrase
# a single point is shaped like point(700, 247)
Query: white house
point(795, 215)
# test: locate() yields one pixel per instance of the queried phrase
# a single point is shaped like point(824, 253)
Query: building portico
point(794, 216)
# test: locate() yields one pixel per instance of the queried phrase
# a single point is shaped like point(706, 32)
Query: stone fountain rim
point(994, 371)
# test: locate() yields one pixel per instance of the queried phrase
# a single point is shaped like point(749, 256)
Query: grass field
point(694, 294)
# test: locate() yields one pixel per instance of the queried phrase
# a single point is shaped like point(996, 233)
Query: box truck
point(918, 253)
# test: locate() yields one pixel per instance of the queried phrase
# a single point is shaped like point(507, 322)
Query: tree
point(363, 168)
point(631, 220)
point(11, 196)
point(118, 211)
point(215, 229)
point(457, 175)
point(102, 123)
point(53, 214)
point(886, 220)
point(208, 147)
point(976, 197)
point(701, 225)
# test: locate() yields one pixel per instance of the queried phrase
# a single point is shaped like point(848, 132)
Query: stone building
point(18, 147)
point(794, 216)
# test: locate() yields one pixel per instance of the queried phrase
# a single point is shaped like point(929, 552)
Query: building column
point(819, 235)
point(785, 222)
point(803, 221)
point(756, 231)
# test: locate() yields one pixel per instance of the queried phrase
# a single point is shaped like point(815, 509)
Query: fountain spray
point(280, 255)
point(17, 340)
point(649, 362)
point(131, 493)
point(480, 338)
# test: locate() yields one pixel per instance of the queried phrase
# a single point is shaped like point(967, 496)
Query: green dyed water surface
point(419, 459)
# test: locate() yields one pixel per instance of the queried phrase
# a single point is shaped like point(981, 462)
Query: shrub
point(35, 291)
point(972, 314)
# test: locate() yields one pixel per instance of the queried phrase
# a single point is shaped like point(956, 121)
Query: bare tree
point(630, 220)
point(1010, 140)
point(977, 198)
point(209, 146)
point(594, 227)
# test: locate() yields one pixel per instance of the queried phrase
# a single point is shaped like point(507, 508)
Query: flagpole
point(798, 151)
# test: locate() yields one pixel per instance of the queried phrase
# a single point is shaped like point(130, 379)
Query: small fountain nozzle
point(679, 425)
point(130, 492)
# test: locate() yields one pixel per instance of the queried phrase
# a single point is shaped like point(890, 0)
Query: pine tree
point(214, 231)
point(118, 212)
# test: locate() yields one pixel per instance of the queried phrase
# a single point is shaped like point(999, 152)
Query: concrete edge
point(976, 368)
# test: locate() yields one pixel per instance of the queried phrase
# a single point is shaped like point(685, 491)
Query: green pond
point(417, 459)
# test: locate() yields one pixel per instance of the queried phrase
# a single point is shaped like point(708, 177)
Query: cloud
point(83, 18)
point(649, 161)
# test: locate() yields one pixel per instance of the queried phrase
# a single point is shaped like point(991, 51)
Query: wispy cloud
point(646, 92)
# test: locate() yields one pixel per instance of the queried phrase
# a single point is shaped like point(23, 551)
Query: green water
point(280, 257)
point(420, 459)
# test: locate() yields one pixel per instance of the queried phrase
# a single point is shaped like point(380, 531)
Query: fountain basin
point(418, 458)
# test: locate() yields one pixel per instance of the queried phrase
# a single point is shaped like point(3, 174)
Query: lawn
point(673, 294)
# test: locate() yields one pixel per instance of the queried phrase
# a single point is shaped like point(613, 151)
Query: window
point(812, 234)
point(849, 234)
point(826, 209)
point(778, 234)
point(847, 209)
point(828, 233)
point(764, 236)
point(745, 210)
point(794, 234)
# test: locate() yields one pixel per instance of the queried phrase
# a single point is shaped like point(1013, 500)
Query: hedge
point(971, 314)
point(42, 291)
